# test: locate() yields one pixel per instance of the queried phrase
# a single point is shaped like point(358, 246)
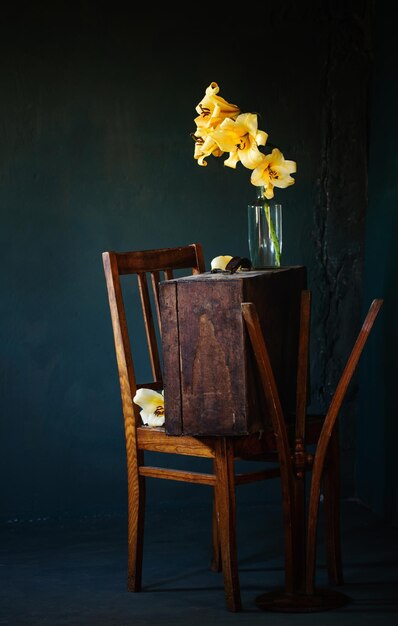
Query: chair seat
point(156, 440)
point(255, 446)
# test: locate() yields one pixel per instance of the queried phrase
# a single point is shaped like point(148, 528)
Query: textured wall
point(339, 211)
point(377, 461)
point(96, 113)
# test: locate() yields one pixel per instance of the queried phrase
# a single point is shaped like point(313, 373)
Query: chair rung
point(181, 475)
point(251, 477)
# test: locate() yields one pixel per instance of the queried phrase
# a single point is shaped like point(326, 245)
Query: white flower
point(152, 404)
point(220, 262)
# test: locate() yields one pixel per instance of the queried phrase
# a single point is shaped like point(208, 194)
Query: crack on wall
point(320, 235)
point(338, 233)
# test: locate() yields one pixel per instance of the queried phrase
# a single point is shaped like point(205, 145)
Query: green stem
point(272, 233)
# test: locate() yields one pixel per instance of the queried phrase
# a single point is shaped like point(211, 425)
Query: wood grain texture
point(275, 409)
point(277, 299)
point(324, 439)
point(161, 259)
point(331, 490)
point(171, 357)
point(205, 336)
point(199, 478)
point(149, 326)
point(128, 386)
point(210, 337)
point(226, 517)
point(302, 366)
point(157, 440)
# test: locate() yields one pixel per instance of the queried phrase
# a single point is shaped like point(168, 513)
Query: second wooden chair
point(300, 529)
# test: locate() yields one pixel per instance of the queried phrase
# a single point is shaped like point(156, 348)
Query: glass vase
point(265, 232)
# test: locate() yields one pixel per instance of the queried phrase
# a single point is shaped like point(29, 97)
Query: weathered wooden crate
point(210, 379)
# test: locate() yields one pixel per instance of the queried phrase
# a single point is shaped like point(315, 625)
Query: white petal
point(155, 420)
point(148, 399)
point(145, 416)
point(220, 262)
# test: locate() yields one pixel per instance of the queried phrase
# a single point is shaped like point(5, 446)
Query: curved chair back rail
point(300, 536)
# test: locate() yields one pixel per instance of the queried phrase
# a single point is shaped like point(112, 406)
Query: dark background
point(96, 110)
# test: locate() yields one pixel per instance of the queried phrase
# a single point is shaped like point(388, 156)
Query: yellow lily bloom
point(213, 110)
point(204, 147)
point(241, 139)
point(152, 404)
point(273, 171)
point(220, 262)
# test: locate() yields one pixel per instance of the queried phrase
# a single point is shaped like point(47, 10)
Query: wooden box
point(210, 379)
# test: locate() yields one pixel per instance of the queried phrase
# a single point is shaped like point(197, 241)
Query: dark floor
point(73, 572)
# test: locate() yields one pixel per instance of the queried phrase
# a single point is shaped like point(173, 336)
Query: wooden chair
point(224, 451)
point(299, 593)
point(139, 439)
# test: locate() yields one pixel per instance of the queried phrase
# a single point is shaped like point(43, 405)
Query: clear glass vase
point(265, 232)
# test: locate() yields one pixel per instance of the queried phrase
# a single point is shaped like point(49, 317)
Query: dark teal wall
point(96, 113)
point(377, 466)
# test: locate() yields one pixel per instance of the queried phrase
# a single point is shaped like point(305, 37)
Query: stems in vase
point(272, 233)
point(265, 232)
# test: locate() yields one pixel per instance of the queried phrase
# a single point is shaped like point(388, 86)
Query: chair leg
point(215, 547)
point(278, 422)
point(331, 488)
point(136, 514)
point(325, 437)
point(226, 516)
point(298, 557)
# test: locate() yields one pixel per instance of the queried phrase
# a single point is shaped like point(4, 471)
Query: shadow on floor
point(73, 572)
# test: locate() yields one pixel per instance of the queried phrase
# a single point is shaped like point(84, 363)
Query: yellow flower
point(221, 127)
point(204, 147)
point(213, 110)
point(241, 139)
point(273, 171)
point(152, 404)
point(220, 262)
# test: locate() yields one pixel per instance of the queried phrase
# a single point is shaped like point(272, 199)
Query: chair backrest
point(159, 265)
point(270, 389)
